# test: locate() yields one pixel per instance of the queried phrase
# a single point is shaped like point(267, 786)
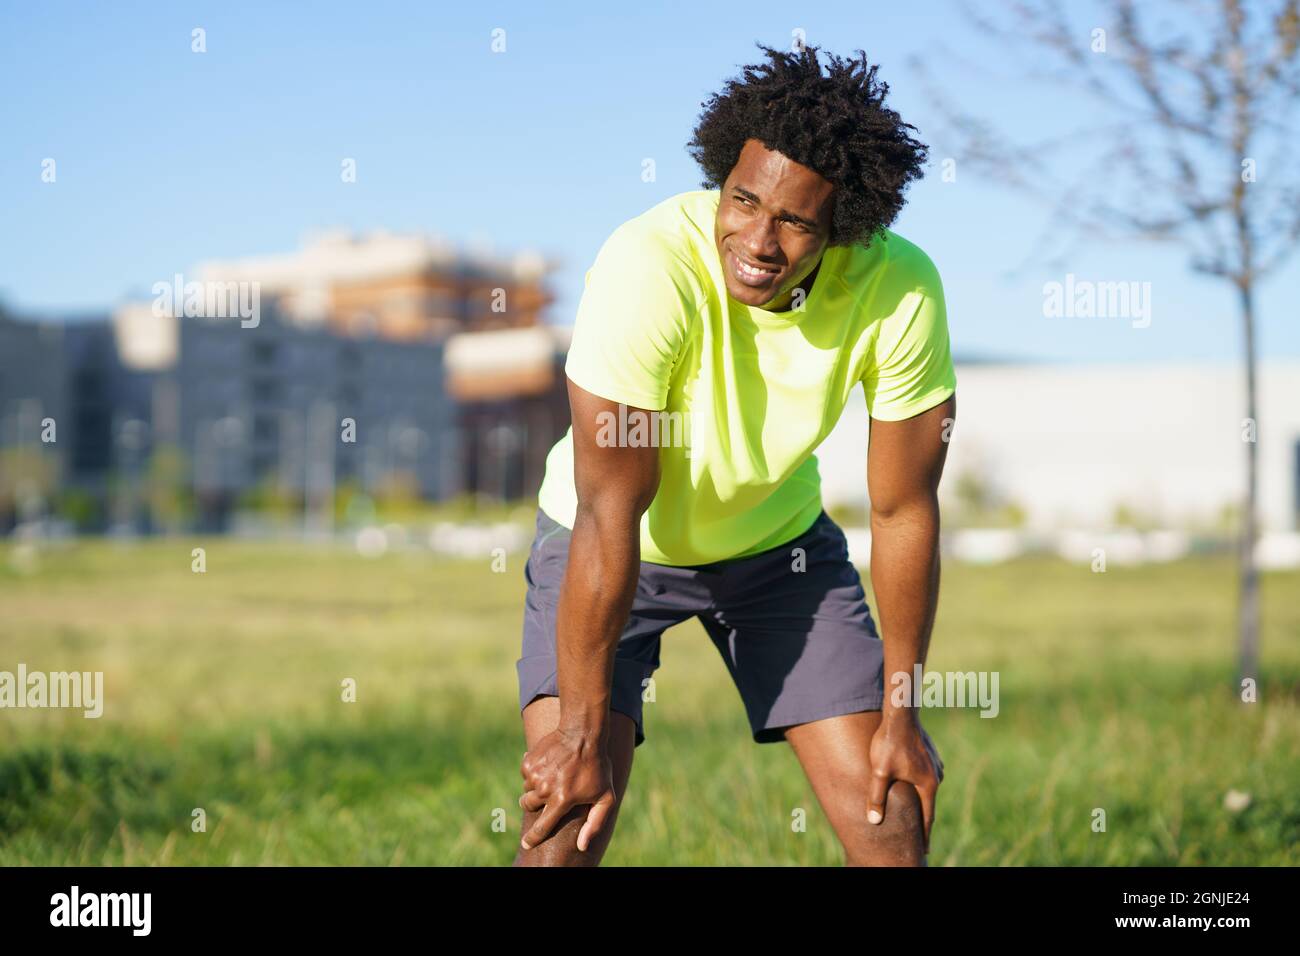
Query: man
point(748, 311)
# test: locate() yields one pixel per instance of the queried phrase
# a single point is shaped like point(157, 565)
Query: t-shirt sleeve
point(632, 321)
point(910, 368)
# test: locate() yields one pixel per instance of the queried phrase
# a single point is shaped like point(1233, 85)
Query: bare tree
point(1194, 145)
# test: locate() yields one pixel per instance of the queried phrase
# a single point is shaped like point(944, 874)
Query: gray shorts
point(792, 626)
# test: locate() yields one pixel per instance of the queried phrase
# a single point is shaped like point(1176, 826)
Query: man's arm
point(904, 465)
point(615, 485)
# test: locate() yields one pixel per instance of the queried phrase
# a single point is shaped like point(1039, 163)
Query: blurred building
point(1163, 441)
point(33, 394)
point(287, 409)
point(509, 386)
point(32, 384)
point(276, 407)
point(439, 360)
point(400, 287)
point(504, 364)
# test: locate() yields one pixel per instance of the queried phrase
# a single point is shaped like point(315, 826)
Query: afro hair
point(837, 125)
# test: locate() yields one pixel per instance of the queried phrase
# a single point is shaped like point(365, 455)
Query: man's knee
point(898, 839)
point(903, 800)
point(560, 848)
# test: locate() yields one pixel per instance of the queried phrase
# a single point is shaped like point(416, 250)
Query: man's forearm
point(595, 599)
point(905, 578)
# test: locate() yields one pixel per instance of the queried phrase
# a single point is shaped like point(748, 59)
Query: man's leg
point(806, 657)
point(541, 717)
point(834, 754)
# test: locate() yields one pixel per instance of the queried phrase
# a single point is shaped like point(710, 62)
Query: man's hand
point(567, 769)
point(898, 752)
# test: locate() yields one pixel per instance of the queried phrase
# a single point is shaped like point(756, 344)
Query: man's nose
point(760, 241)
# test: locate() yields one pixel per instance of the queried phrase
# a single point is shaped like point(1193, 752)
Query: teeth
point(750, 270)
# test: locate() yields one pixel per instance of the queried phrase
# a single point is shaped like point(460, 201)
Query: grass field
point(223, 693)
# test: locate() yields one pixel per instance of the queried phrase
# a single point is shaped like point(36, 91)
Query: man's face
point(773, 214)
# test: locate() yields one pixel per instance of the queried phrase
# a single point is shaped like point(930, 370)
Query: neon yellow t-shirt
point(748, 393)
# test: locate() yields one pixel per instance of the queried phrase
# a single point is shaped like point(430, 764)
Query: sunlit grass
point(224, 694)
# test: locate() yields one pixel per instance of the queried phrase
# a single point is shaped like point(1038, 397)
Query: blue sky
point(167, 157)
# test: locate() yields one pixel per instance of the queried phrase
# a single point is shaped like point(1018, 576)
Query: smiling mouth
point(751, 274)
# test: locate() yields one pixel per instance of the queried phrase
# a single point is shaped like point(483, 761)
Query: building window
point(264, 428)
point(266, 390)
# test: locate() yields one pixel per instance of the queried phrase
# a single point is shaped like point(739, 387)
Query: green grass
point(223, 693)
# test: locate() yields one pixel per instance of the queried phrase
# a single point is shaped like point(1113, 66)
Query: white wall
point(1070, 442)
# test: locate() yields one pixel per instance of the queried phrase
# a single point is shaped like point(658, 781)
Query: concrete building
point(32, 379)
point(273, 407)
point(283, 407)
point(33, 390)
point(512, 404)
point(404, 287)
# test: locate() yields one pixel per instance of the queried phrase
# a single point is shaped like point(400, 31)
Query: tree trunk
point(1248, 598)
